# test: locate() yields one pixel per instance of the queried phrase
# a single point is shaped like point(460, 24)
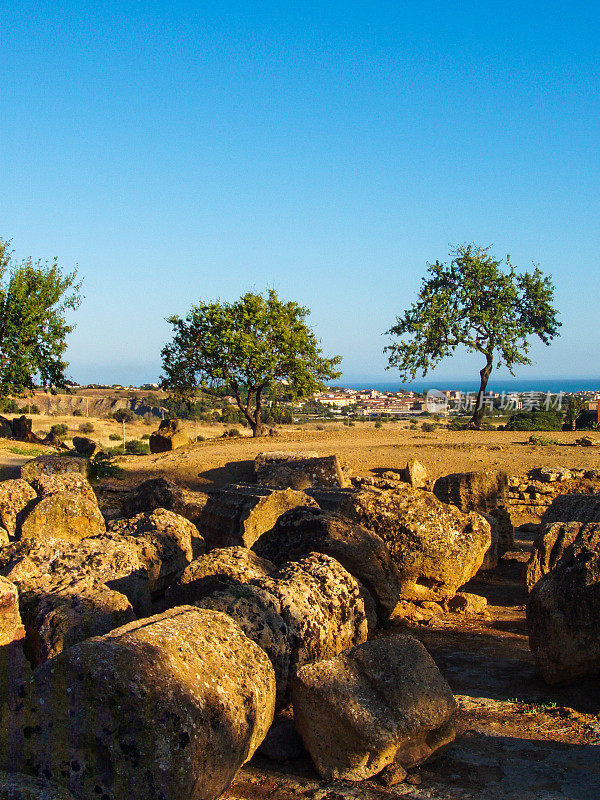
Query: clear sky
point(184, 151)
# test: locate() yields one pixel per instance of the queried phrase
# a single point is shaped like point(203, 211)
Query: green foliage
point(429, 427)
point(378, 424)
point(86, 427)
point(145, 436)
point(474, 302)
point(8, 405)
point(27, 451)
point(77, 412)
point(231, 433)
point(123, 415)
point(114, 437)
point(137, 447)
point(535, 421)
point(102, 466)
point(248, 347)
point(541, 441)
point(59, 429)
point(35, 298)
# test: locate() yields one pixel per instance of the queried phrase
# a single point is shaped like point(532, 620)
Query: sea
point(500, 385)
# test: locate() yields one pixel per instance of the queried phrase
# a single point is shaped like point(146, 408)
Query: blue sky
point(185, 151)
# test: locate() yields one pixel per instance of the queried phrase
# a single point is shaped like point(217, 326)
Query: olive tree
point(481, 303)
point(248, 346)
point(34, 300)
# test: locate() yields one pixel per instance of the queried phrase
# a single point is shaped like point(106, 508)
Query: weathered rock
point(167, 707)
point(573, 508)
point(436, 547)
point(64, 515)
point(165, 541)
point(6, 431)
point(563, 614)
point(65, 482)
point(58, 615)
point(358, 712)
point(217, 571)
point(109, 559)
point(53, 465)
point(168, 437)
point(237, 515)
point(162, 493)
point(4, 540)
point(13, 664)
point(283, 470)
point(467, 603)
point(52, 440)
point(585, 441)
point(330, 499)
point(321, 604)
point(17, 786)
point(473, 491)
point(15, 495)
point(552, 474)
point(86, 446)
point(22, 430)
point(550, 546)
point(484, 491)
point(306, 530)
point(254, 610)
point(414, 473)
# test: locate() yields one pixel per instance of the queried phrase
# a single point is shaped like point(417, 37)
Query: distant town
point(374, 403)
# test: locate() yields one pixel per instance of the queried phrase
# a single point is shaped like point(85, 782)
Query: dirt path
point(517, 739)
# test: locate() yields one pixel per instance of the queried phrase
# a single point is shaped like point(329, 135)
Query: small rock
point(392, 774)
point(467, 603)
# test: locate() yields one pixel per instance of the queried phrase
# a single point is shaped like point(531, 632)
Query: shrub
point(78, 412)
point(114, 437)
point(59, 429)
point(428, 427)
point(8, 406)
point(535, 421)
point(101, 466)
point(145, 436)
point(30, 408)
point(86, 427)
point(378, 424)
point(542, 441)
point(137, 448)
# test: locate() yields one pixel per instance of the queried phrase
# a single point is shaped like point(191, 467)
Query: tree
point(247, 346)
point(123, 415)
point(473, 301)
point(34, 300)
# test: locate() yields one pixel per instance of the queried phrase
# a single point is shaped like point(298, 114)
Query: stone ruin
point(148, 642)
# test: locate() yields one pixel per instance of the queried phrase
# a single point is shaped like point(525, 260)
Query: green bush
point(101, 466)
point(379, 424)
point(8, 406)
point(428, 427)
point(59, 429)
point(136, 447)
point(535, 421)
point(145, 436)
point(542, 441)
point(78, 412)
point(86, 427)
point(114, 437)
point(30, 408)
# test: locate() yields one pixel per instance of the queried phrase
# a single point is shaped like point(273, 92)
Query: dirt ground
point(366, 450)
point(516, 737)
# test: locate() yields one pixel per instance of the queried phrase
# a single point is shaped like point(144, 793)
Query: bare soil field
point(365, 450)
point(516, 736)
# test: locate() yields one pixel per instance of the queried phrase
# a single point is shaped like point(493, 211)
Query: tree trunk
point(477, 418)
point(257, 428)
